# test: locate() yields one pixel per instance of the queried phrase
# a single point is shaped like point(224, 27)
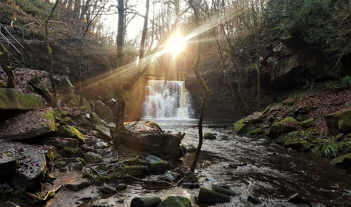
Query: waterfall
point(167, 100)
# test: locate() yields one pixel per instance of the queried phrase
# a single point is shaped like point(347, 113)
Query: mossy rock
point(210, 136)
point(41, 88)
point(297, 144)
point(339, 122)
point(103, 111)
point(65, 87)
point(240, 127)
point(344, 160)
point(304, 110)
point(279, 127)
point(175, 201)
point(62, 143)
point(156, 165)
point(288, 102)
point(59, 114)
point(91, 157)
point(255, 131)
point(256, 117)
point(70, 132)
point(207, 195)
point(98, 121)
point(69, 151)
point(308, 123)
point(14, 99)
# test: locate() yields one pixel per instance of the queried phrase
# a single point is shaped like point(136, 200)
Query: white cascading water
point(167, 100)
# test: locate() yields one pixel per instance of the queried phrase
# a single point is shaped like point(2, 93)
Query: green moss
point(14, 99)
point(68, 151)
point(59, 114)
point(12, 189)
point(71, 132)
point(175, 201)
point(255, 131)
point(278, 127)
point(81, 160)
point(240, 126)
point(345, 159)
point(50, 117)
point(308, 123)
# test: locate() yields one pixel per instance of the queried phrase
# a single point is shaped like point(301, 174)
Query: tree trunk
point(76, 10)
point(4, 59)
point(120, 33)
point(204, 88)
point(143, 37)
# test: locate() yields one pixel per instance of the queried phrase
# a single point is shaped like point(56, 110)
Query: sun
point(175, 44)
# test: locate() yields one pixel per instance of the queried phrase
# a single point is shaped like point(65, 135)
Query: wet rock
point(105, 188)
point(79, 184)
point(207, 195)
point(224, 191)
point(101, 152)
point(145, 202)
point(32, 169)
point(342, 161)
point(103, 111)
point(236, 165)
point(175, 201)
point(210, 136)
point(121, 186)
point(28, 125)
point(78, 166)
point(254, 199)
point(297, 144)
point(14, 99)
point(156, 165)
point(7, 165)
point(172, 176)
point(156, 144)
point(255, 131)
point(71, 132)
point(297, 199)
point(62, 143)
point(100, 205)
point(100, 145)
point(68, 152)
point(240, 127)
point(91, 157)
point(104, 132)
point(190, 185)
point(189, 148)
point(120, 200)
point(60, 163)
point(97, 120)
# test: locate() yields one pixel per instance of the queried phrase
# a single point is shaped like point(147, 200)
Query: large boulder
point(155, 144)
point(14, 99)
point(29, 125)
point(286, 125)
point(41, 88)
point(32, 169)
point(103, 111)
point(337, 122)
point(71, 132)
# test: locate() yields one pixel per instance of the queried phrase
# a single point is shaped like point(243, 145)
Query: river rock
point(76, 166)
point(189, 148)
point(156, 165)
point(343, 161)
point(14, 99)
point(145, 202)
point(104, 132)
point(100, 145)
point(79, 184)
point(7, 165)
point(103, 111)
point(71, 132)
point(156, 144)
point(91, 157)
point(224, 191)
point(286, 125)
point(28, 125)
point(172, 176)
point(254, 199)
point(105, 188)
point(61, 143)
point(206, 195)
point(121, 186)
point(175, 201)
point(210, 136)
point(32, 169)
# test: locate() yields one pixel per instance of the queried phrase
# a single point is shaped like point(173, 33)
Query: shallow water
point(270, 172)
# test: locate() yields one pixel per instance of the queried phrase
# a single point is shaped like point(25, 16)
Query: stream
point(249, 166)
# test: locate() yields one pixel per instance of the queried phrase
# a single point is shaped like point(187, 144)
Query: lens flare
point(175, 44)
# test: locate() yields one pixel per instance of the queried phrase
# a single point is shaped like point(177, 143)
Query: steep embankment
point(318, 121)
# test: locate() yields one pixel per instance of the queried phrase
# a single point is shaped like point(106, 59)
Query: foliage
point(346, 82)
point(34, 7)
point(330, 150)
point(13, 189)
